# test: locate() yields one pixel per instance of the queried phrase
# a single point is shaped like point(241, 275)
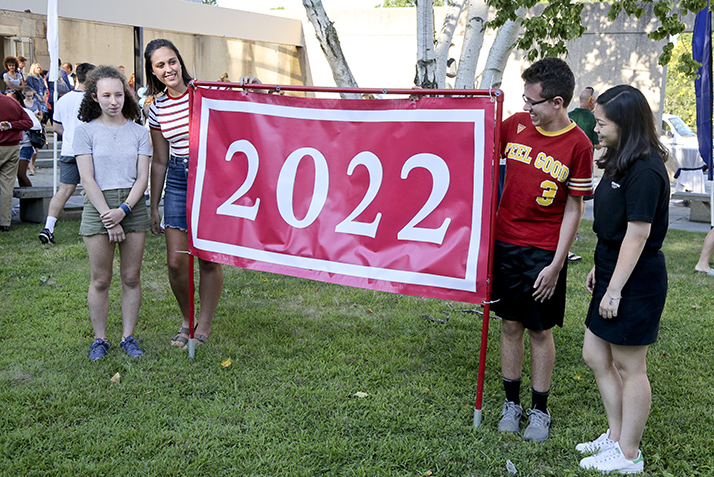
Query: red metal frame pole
point(332, 89)
point(496, 94)
point(191, 285)
point(496, 158)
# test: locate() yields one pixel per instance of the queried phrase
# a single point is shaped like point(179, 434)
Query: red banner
point(391, 195)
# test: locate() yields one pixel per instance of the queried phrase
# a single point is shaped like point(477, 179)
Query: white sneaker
point(602, 443)
point(613, 460)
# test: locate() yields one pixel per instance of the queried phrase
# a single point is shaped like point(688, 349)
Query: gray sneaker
point(538, 426)
point(511, 417)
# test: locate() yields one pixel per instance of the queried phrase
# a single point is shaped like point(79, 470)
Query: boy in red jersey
point(548, 171)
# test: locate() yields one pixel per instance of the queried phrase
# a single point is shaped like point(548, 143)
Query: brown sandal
point(198, 340)
point(179, 340)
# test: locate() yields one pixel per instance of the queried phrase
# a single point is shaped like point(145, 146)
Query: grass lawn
point(299, 352)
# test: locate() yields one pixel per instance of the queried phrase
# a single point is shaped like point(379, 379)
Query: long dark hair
point(90, 109)
point(154, 86)
point(628, 108)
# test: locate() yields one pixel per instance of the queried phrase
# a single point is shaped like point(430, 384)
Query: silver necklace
point(114, 134)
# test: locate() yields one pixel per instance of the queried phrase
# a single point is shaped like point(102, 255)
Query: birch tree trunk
point(443, 42)
point(498, 55)
point(473, 41)
point(426, 58)
point(330, 44)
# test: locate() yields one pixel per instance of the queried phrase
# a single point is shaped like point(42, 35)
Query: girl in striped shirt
point(167, 80)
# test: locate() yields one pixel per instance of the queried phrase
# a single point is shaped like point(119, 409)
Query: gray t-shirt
point(114, 151)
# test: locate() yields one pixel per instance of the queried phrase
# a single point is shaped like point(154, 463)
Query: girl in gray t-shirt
point(113, 159)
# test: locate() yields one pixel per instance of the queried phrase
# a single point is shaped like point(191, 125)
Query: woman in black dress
point(629, 279)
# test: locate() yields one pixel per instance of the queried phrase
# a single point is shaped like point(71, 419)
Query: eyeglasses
point(533, 103)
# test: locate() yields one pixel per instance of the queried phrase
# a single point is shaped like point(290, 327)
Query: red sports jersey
point(542, 169)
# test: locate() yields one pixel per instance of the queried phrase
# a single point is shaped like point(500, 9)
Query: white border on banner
point(470, 116)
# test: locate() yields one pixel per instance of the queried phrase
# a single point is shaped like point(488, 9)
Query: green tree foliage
point(209, 2)
point(408, 3)
point(679, 91)
point(546, 34)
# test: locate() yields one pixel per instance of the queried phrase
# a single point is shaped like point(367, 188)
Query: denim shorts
point(175, 193)
point(137, 221)
point(26, 153)
point(69, 173)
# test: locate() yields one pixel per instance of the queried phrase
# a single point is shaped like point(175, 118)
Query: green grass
point(300, 350)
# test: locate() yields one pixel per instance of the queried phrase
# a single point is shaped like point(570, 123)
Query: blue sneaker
point(98, 349)
point(131, 347)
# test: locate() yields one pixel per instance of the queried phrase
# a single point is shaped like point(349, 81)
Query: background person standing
point(13, 120)
point(583, 115)
point(65, 121)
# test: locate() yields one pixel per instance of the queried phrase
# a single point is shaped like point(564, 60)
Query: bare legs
point(210, 280)
point(707, 252)
point(621, 376)
point(31, 168)
point(64, 192)
point(22, 179)
point(101, 258)
point(542, 354)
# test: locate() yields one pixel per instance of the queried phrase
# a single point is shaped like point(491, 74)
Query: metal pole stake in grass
point(478, 407)
point(191, 308)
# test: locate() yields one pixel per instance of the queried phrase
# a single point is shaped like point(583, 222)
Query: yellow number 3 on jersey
point(550, 188)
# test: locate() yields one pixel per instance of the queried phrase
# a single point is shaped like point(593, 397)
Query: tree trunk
point(473, 40)
point(330, 44)
point(498, 55)
point(443, 42)
point(426, 58)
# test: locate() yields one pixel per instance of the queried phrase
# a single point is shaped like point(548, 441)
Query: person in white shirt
point(65, 122)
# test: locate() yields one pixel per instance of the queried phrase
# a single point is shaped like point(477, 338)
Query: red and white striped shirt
point(170, 116)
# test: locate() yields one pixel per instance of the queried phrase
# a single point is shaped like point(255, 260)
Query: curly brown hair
point(89, 109)
point(10, 60)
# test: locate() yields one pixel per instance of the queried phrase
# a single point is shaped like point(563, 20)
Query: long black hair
point(90, 109)
point(154, 86)
point(628, 108)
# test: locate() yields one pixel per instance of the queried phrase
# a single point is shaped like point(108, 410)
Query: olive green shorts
point(137, 221)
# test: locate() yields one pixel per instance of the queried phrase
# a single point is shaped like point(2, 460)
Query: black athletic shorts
point(515, 270)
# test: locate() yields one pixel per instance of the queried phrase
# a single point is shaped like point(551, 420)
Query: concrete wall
point(260, 45)
point(380, 46)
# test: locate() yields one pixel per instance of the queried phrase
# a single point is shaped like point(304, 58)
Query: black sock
point(513, 390)
point(540, 400)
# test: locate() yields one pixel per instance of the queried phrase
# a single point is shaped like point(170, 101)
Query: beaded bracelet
point(125, 207)
point(612, 297)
